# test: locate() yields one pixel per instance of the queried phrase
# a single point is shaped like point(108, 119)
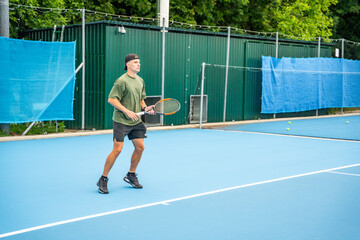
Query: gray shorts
point(133, 132)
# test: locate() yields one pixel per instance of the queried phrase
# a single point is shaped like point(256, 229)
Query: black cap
point(130, 57)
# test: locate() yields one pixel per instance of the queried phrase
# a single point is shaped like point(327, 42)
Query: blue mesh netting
point(37, 80)
point(301, 84)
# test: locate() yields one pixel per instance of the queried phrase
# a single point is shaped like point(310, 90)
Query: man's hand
point(150, 110)
point(132, 115)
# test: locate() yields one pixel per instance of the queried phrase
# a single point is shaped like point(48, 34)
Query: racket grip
point(140, 113)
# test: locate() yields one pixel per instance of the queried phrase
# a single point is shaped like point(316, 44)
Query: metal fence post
point(276, 55)
point(83, 72)
point(4, 32)
point(202, 93)
point(319, 54)
point(163, 69)
point(226, 72)
point(319, 47)
point(277, 45)
point(342, 56)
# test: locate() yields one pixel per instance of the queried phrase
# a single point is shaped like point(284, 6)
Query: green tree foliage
point(208, 12)
point(139, 8)
point(182, 11)
point(305, 18)
point(346, 16)
point(347, 25)
point(22, 18)
point(27, 18)
point(301, 18)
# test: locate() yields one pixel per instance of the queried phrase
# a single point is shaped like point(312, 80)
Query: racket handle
point(140, 113)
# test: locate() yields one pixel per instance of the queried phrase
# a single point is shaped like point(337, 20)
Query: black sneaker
point(102, 184)
point(132, 179)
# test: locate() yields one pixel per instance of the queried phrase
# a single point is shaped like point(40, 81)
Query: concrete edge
point(159, 128)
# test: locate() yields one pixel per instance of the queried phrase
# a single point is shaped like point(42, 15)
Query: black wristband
point(143, 109)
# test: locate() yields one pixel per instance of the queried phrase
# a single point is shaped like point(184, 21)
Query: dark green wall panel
point(185, 51)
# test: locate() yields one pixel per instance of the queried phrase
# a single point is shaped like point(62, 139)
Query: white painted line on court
point(286, 135)
point(350, 174)
point(166, 202)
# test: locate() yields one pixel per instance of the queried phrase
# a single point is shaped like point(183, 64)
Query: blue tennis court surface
point(346, 127)
point(198, 184)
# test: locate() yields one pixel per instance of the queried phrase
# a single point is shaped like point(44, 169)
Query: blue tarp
point(37, 80)
point(301, 84)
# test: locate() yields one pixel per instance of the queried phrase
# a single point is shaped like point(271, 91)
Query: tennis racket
point(166, 106)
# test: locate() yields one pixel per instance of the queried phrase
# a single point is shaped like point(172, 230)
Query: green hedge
point(38, 128)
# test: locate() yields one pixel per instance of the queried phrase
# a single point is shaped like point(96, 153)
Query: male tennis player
point(127, 97)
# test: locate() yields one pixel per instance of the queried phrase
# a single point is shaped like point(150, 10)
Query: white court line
point(166, 202)
point(351, 174)
point(286, 135)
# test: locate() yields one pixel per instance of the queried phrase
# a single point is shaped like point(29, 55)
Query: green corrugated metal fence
point(185, 51)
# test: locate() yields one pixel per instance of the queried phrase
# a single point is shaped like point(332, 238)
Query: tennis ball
point(289, 122)
point(288, 129)
point(347, 122)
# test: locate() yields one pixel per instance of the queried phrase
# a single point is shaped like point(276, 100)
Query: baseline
point(166, 202)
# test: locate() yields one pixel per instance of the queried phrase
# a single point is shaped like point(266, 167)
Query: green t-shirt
point(129, 91)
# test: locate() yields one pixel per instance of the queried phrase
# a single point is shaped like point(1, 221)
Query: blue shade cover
point(301, 84)
point(37, 80)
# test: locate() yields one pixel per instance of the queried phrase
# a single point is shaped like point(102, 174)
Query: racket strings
point(167, 106)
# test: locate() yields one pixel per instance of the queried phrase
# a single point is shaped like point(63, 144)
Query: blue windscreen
point(301, 84)
point(37, 80)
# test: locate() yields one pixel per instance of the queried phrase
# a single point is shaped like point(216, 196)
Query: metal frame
point(276, 55)
point(81, 66)
point(192, 107)
point(202, 93)
point(83, 71)
point(226, 71)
